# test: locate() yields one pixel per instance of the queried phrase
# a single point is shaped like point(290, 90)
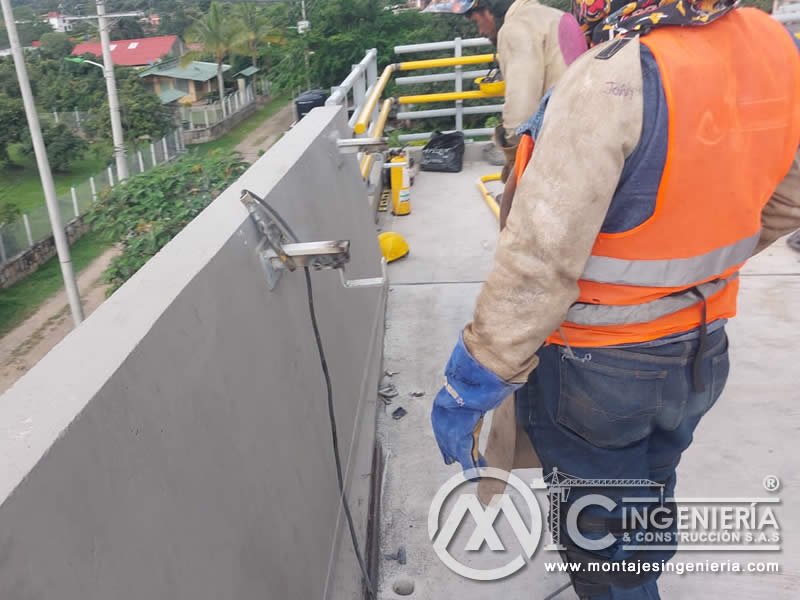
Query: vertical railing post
point(458, 88)
point(177, 141)
point(55, 116)
point(28, 232)
point(110, 177)
point(359, 95)
point(164, 146)
point(3, 257)
point(205, 114)
point(153, 153)
point(93, 187)
point(74, 195)
point(372, 77)
point(141, 161)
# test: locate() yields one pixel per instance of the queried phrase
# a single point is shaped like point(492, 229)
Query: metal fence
point(73, 119)
point(23, 233)
point(203, 117)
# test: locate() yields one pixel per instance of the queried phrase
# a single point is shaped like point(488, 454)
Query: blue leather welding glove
point(470, 390)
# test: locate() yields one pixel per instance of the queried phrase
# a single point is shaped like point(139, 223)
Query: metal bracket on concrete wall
point(279, 249)
point(355, 145)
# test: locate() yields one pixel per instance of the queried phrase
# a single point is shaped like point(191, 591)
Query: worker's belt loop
point(568, 353)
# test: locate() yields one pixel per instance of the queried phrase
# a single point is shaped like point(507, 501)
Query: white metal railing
point(358, 85)
point(203, 117)
point(359, 82)
point(788, 13)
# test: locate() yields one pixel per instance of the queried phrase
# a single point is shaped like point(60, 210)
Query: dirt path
point(22, 347)
point(266, 134)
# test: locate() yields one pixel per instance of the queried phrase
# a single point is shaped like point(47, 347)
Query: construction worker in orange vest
point(666, 156)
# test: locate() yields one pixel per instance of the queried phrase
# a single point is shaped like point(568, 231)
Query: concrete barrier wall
point(176, 445)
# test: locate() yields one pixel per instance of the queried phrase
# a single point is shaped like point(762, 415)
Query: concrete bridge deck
point(752, 432)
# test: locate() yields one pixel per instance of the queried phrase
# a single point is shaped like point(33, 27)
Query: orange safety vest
point(733, 94)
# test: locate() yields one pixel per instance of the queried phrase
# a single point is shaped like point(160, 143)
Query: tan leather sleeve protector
point(522, 63)
point(593, 122)
point(781, 215)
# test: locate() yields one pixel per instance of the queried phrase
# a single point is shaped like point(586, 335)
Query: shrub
point(151, 208)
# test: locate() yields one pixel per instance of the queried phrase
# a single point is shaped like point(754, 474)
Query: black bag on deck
point(444, 152)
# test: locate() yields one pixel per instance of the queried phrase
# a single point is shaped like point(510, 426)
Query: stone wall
point(27, 261)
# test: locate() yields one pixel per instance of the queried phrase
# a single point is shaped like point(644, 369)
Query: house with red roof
point(140, 52)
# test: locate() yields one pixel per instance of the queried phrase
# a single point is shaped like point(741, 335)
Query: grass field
point(24, 297)
point(20, 183)
point(237, 135)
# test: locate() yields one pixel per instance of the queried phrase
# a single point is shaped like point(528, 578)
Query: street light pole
point(111, 87)
point(62, 247)
point(305, 47)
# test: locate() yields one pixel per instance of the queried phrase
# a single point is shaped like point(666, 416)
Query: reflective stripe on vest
point(609, 314)
point(732, 90)
point(673, 272)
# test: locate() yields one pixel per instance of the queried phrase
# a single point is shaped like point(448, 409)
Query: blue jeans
point(618, 413)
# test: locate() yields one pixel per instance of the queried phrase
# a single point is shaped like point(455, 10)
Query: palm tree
point(218, 36)
point(256, 29)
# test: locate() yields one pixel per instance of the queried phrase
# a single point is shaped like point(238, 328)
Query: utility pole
point(302, 29)
point(111, 87)
point(62, 247)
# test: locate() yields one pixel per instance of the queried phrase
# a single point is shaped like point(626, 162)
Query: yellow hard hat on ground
point(393, 246)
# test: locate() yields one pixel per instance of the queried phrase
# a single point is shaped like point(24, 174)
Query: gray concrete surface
point(751, 433)
point(177, 444)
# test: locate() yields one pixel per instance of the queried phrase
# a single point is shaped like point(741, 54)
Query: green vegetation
point(151, 208)
point(63, 146)
point(11, 111)
point(256, 30)
point(24, 297)
point(219, 36)
point(29, 26)
point(142, 113)
point(236, 136)
point(20, 183)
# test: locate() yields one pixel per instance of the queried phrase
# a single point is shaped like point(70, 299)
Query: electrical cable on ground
point(331, 413)
point(335, 437)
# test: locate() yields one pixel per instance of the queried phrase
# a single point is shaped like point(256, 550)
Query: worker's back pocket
point(606, 404)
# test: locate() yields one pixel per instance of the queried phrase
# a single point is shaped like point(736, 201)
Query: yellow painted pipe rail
point(380, 123)
point(447, 97)
point(433, 63)
point(488, 198)
point(372, 101)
